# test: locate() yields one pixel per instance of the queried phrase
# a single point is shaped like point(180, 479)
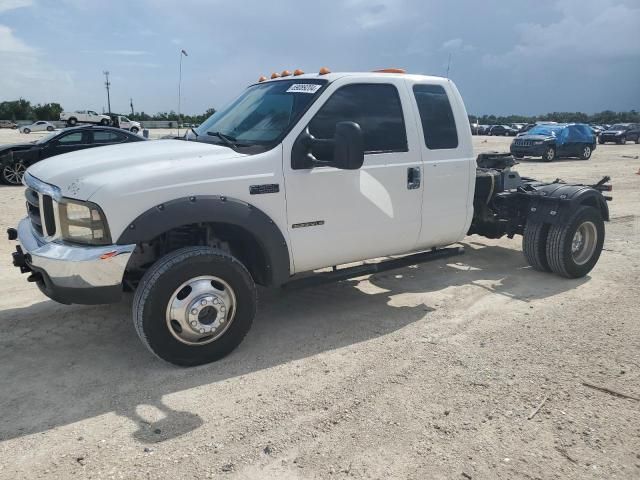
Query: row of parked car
point(613, 133)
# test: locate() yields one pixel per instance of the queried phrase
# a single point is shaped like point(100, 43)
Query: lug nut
point(203, 302)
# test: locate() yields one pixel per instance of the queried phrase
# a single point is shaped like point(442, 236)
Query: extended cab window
point(375, 107)
point(438, 124)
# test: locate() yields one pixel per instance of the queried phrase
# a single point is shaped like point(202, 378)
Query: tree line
point(606, 116)
point(22, 109)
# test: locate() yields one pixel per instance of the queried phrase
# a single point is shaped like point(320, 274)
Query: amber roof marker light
point(275, 75)
point(262, 79)
point(285, 73)
point(324, 71)
point(390, 70)
point(298, 72)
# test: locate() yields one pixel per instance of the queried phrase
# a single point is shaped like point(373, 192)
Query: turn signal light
point(390, 70)
point(324, 71)
point(298, 72)
point(262, 78)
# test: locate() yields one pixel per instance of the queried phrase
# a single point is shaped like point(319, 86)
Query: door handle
point(413, 178)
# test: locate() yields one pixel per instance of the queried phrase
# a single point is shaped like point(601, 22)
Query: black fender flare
point(555, 202)
point(215, 209)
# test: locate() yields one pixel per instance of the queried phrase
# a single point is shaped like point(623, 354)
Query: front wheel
point(194, 305)
point(574, 247)
point(26, 130)
point(134, 130)
point(585, 152)
point(104, 122)
point(50, 128)
point(549, 154)
point(12, 173)
point(72, 121)
point(622, 140)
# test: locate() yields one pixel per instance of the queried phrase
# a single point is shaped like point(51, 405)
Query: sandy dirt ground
point(427, 372)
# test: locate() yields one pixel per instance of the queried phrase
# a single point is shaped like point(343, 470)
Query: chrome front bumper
point(73, 273)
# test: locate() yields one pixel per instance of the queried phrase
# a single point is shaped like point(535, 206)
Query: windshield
point(618, 126)
point(262, 114)
point(547, 130)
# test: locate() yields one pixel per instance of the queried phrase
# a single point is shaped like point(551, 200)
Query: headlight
point(83, 222)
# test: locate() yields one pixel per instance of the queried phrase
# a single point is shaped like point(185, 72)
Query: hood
point(80, 174)
point(15, 146)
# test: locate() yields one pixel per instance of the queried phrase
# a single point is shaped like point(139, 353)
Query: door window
point(375, 107)
point(438, 123)
point(74, 138)
point(104, 136)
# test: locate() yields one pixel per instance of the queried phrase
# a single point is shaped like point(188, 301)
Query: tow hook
point(20, 260)
point(12, 233)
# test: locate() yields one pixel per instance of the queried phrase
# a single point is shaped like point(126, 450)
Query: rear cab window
point(438, 122)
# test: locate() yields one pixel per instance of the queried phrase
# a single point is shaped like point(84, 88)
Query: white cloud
point(375, 14)
point(126, 53)
point(6, 5)
point(27, 72)
point(585, 30)
point(457, 44)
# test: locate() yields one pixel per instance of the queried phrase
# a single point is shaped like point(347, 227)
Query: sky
point(517, 56)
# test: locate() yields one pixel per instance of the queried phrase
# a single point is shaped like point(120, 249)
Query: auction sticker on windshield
point(304, 88)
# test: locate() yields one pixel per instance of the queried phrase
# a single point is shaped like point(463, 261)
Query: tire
point(50, 129)
point(561, 254)
point(518, 156)
point(134, 130)
point(12, 174)
point(26, 130)
point(157, 300)
point(601, 141)
point(585, 152)
point(549, 154)
point(637, 139)
point(534, 245)
point(72, 121)
point(622, 140)
point(104, 122)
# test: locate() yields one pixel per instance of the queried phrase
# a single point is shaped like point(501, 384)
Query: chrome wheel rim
point(550, 154)
point(584, 243)
point(201, 310)
point(586, 152)
point(13, 173)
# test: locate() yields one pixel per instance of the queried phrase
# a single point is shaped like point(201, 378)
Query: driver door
point(338, 216)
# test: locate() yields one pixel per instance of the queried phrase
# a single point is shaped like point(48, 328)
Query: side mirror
point(347, 144)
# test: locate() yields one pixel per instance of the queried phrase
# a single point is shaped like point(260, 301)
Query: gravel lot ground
point(424, 372)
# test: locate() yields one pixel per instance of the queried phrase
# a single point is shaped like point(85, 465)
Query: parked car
point(8, 124)
point(84, 116)
point(505, 130)
point(40, 126)
point(517, 127)
point(194, 225)
point(551, 141)
point(621, 133)
point(16, 158)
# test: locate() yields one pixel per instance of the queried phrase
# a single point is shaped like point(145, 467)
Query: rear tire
point(600, 141)
point(549, 154)
point(173, 289)
point(104, 122)
point(72, 121)
point(50, 129)
point(574, 247)
point(26, 130)
point(637, 139)
point(585, 152)
point(622, 140)
point(134, 130)
point(534, 245)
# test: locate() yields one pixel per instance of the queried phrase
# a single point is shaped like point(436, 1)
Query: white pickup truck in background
point(84, 116)
point(123, 122)
point(301, 172)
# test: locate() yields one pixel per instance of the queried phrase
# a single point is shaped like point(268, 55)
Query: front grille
point(523, 143)
point(40, 211)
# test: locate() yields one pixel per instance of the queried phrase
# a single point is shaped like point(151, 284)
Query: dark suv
point(621, 133)
point(553, 141)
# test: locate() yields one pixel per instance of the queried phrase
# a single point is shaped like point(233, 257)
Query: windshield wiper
point(228, 139)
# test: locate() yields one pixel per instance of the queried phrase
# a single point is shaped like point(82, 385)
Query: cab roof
point(331, 77)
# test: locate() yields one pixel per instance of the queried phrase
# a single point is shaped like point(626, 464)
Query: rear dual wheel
point(570, 249)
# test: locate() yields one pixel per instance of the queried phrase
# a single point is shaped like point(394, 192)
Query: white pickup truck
point(84, 116)
point(300, 172)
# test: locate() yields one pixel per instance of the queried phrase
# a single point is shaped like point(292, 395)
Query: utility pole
point(107, 84)
point(131, 103)
point(182, 52)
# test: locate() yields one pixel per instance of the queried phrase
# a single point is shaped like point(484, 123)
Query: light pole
point(182, 52)
point(107, 84)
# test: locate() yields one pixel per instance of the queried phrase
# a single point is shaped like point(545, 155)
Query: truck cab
point(300, 172)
